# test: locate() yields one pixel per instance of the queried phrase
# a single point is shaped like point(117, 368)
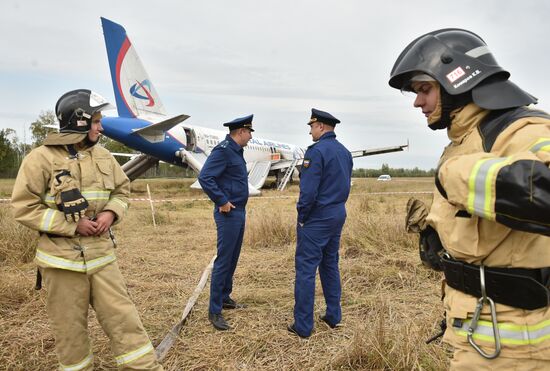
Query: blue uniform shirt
point(223, 176)
point(325, 179)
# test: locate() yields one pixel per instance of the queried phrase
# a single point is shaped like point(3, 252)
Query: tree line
point(393, 172)
point(12, 152)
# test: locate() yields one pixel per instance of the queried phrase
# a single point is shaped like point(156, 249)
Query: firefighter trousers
point(467, 360)
point(70, 294)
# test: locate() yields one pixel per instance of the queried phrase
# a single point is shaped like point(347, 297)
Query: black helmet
point(461, 62)
point(75, 109)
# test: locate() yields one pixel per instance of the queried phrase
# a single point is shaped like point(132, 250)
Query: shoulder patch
point(224, 144)
point(306, 163)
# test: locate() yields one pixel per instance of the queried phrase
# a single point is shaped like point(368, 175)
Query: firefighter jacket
point(44, 174)
point(493, 208)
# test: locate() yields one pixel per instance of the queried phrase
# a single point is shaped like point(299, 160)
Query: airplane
point(143, 125)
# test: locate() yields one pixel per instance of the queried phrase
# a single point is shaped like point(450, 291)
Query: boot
point(232, 304)
point(217, 320)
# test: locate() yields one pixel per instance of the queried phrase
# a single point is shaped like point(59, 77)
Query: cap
point(324, 117)
point(241, 122)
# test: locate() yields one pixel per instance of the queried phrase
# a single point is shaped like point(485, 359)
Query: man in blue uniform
point(325, 181)
point(225, 180)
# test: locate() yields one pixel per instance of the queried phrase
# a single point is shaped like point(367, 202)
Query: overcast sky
point(216, 60)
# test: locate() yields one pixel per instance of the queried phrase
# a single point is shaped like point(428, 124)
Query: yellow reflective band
point(58, 262)
point(47, 220)
point(92, 195)
point(99, 262)
point(80, 365)
point(133, 355)
point(481, 186)
point(73, 265)
point(95, 195)
point(542, 144)
point(472, 186)
point(49, 199)
point(509, 333)
point(120, 202)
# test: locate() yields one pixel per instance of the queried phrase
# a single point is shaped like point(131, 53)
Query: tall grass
point(268, 227)
point(390, 302)
point(17, 243)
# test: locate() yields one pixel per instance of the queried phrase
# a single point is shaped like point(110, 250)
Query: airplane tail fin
point(134, 92)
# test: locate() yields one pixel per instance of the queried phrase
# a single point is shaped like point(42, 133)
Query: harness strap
point(517, 287)
point(498, 120)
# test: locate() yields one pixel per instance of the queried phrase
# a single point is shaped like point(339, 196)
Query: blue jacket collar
point(232, 143)
point(329, 135)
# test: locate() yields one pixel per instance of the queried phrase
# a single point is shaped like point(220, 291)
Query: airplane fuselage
point(195, 139)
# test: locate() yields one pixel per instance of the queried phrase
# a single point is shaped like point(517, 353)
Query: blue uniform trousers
point(318, 242)
point(230, 227)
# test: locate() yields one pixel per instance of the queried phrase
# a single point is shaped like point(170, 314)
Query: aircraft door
point(191, 140)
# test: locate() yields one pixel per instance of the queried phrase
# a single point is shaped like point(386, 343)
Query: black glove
point(73, 204)
point(430, 247)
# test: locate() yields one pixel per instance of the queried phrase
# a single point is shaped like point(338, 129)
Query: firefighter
point(488, 226)
point(71, 191)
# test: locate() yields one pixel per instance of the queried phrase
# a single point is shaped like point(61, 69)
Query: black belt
point(517, 287)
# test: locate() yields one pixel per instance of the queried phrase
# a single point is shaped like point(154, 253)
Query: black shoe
point(232, 304)
point(217, 320)
point(292, 329)
point(325, 320)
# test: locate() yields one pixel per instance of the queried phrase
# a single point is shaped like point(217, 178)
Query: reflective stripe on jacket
point(35, 197)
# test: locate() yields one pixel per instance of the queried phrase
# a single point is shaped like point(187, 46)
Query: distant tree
point(10, 156)
point(116, 147)
point(393, 172)
point(39, 130)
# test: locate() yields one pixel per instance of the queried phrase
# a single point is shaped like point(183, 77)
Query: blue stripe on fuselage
point(115, 36)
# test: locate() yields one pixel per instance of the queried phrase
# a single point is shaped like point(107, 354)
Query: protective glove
point(73, 204)
point(69, 199)
point(430, 246)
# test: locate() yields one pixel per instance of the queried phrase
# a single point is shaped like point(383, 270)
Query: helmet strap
point(448, 104)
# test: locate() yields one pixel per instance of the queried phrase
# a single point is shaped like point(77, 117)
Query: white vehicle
point(384, 178)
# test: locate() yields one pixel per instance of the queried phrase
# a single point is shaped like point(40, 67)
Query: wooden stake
point(152, 207)
point(169, 339)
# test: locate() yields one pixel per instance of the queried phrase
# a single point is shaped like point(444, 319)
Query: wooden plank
point(170, 338)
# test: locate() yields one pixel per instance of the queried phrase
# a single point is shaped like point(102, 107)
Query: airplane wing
point(378, 151)
point(155, 133)
point(196, 161)
point(251, 190)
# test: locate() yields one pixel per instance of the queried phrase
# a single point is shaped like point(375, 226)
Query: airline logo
point(142, 90)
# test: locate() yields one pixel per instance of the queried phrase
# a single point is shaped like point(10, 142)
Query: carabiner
point(473, 324)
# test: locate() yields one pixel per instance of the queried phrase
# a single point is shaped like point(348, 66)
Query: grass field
point(391, 303)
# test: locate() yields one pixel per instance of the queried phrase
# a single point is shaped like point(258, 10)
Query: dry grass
point(390, 302)
point(17, 243)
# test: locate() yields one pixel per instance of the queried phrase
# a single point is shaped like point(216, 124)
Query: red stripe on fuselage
point(121, 55)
